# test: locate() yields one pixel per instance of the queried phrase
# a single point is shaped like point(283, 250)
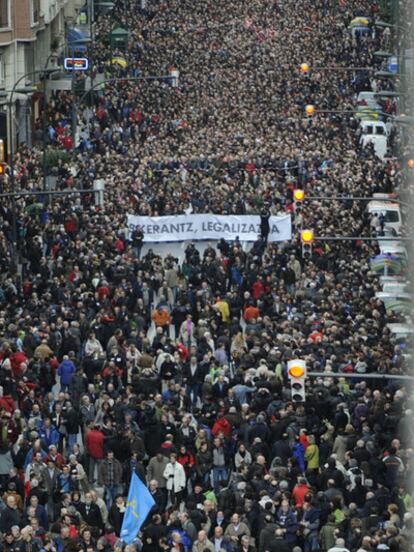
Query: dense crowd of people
point(115, 360)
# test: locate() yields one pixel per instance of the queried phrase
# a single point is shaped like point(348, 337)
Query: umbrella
point(119, 61)
point(359, 22)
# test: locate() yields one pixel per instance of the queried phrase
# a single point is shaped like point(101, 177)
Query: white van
point(376, 133)
point(395, 302)
point(390, 211)
point(400, 330)
point(374, 127)
point(395, 248)
point(397, 285)
point(380, 144)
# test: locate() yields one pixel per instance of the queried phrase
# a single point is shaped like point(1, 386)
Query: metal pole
point(362, 238)
point(350, 112)
point(12, 184)
point(354, 198)
point(340, 68)
point(41, 193)
point(9, 104)
point(358, 376)
point(44, 141)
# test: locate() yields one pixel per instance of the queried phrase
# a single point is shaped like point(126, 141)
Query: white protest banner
point(176, 228)
point(280, 228)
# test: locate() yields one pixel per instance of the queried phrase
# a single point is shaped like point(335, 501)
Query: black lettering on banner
point(148, 230)
point(252, 229)
point(189, 226)
point(243, 228)
point(165, 229)
point(210, 225)
point(275, 229)
point(226, 227)
point(217, 227)
point(156, 228)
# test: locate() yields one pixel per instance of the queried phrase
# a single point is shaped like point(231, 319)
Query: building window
point(35, 11)
point(4, 14)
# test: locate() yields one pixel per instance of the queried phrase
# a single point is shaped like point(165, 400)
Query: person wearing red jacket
point(257, 289)
point(299, 492)
point(94, 440)
point(250, 312)
point(221, 426)
point(186, 459)
point(17, 358)
point(303, 438)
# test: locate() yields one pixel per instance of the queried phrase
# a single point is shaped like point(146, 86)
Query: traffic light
point(175, 74)
point(298, 195)
point(297, 376)
point(306, 238)
point(310, 110)
point(2, 169)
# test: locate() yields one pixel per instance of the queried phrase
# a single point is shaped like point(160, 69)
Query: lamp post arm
point(353, 198)
point(9, 104)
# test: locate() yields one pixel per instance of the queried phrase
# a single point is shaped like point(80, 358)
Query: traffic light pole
point(50, 193)
point(348, 375)
point(363, 238)
point(9, 104)
point(354, 198)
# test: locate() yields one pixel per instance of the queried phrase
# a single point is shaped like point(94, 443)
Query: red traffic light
point(2, 169)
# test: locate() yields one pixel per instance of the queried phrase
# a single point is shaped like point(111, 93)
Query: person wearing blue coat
point(65, 371)
point(299, 454)
point(48, 434)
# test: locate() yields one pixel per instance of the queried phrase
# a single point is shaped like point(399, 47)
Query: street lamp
point(305, 68)
point(399, 119)
point(19, 90)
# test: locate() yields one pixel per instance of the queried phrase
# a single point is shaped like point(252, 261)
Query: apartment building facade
point(32, 34)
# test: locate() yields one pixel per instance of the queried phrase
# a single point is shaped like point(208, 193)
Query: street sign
point(76, 64)
point(393, 65)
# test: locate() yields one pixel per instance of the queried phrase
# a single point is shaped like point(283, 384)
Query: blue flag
point(138, 506)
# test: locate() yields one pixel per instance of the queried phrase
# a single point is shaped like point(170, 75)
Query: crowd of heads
point(116, 360)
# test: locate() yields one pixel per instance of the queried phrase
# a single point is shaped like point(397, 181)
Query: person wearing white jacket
point(174, 474)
